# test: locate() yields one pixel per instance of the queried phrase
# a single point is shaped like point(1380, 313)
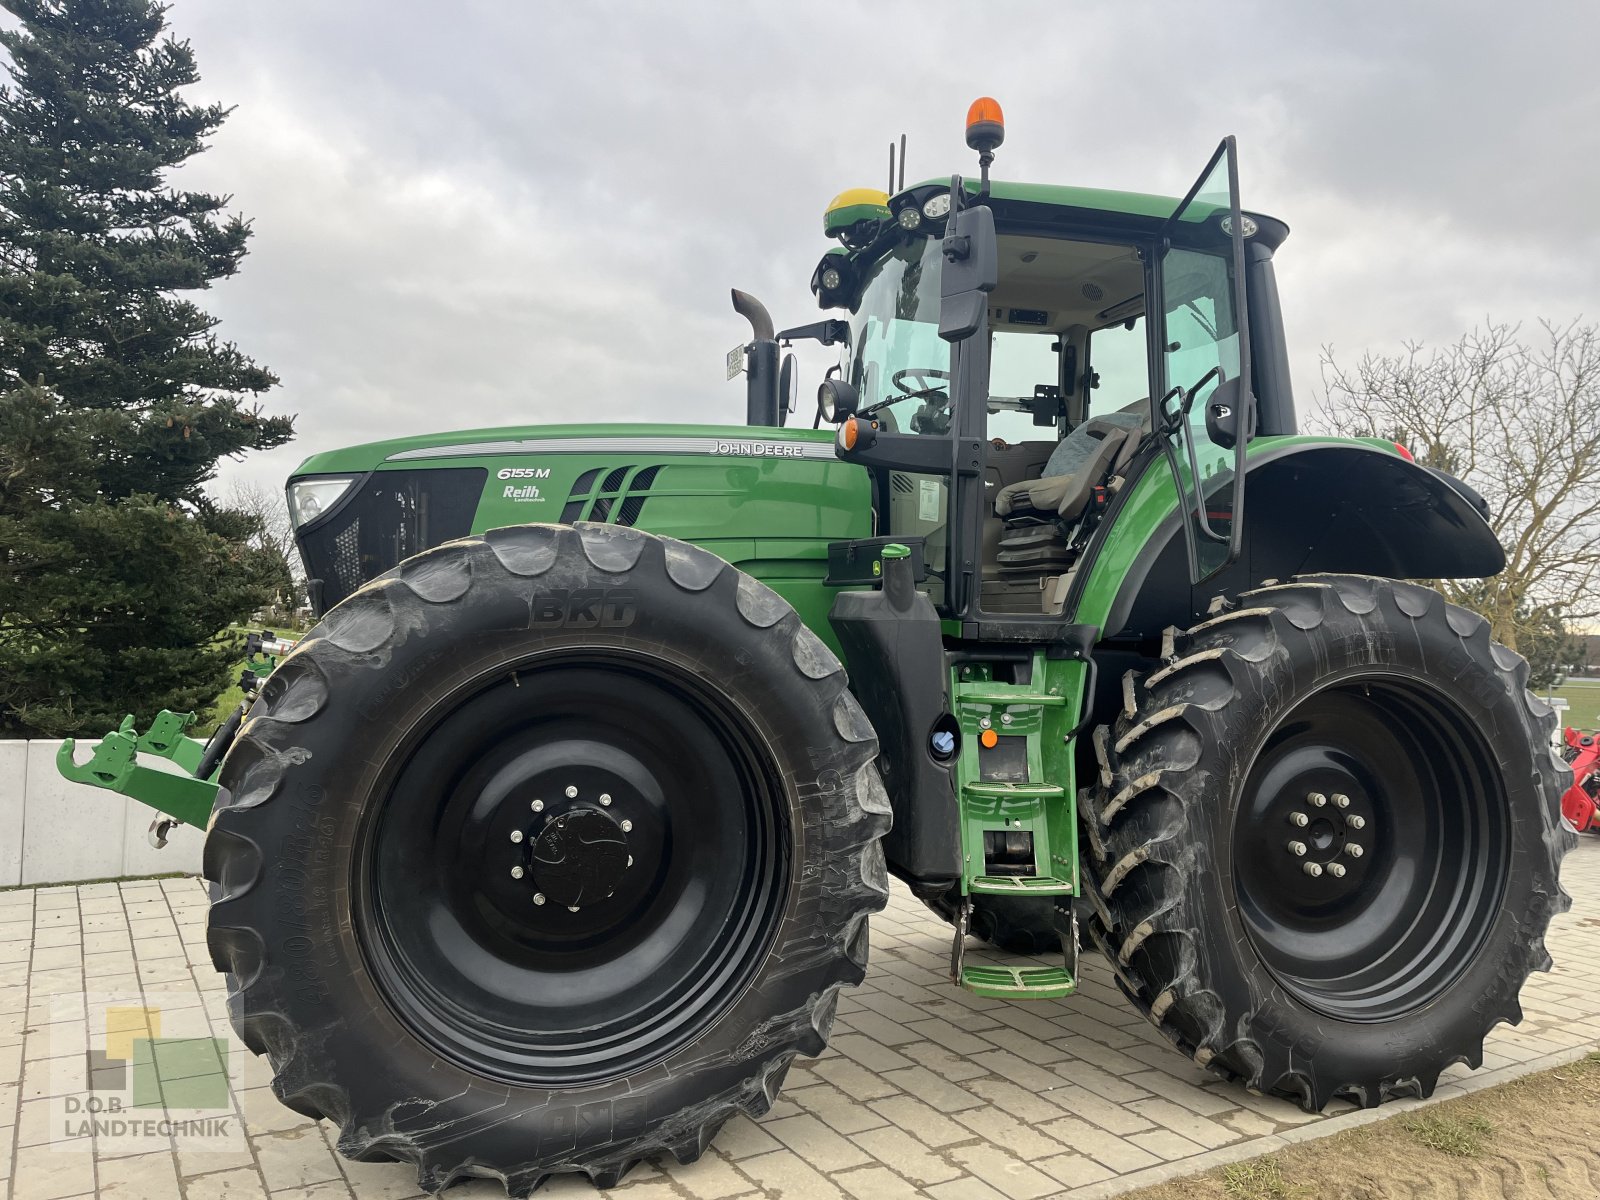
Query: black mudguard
point(1348, 508)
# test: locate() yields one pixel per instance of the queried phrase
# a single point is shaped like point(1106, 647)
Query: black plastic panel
point(393, 515)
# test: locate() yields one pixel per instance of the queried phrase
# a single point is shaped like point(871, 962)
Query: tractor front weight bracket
point(115, 766)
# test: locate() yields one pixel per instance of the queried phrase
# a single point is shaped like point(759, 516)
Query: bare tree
point(275, 532)
point(1520, 422)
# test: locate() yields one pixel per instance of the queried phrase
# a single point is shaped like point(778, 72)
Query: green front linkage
point(115, 766)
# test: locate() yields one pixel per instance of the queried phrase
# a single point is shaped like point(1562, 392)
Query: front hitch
point(115, 766)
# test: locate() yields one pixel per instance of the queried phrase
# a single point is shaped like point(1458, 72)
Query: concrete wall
point(53, 831)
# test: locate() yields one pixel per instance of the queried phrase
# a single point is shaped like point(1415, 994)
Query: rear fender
point(1341, 506)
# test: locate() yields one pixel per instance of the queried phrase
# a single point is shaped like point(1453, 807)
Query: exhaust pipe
point(761, 362)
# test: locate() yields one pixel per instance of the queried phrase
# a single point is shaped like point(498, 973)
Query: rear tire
point(546, 852)
point(1436, 844)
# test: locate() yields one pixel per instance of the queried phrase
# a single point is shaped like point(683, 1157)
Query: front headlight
point(310, 498)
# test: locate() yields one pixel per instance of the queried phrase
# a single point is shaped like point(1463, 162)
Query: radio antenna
point(891, 169)
point(902, 186)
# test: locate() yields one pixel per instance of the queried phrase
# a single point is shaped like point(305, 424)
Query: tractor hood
point(768, 499)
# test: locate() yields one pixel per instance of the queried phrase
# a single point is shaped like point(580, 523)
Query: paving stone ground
point(925, 1091)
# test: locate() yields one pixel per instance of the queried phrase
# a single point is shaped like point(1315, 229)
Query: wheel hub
point(579, 857)
point(1327, 831)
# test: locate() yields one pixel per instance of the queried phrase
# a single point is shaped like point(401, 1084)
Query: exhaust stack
point(761, 362)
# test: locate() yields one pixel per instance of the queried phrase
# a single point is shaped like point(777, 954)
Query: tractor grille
point(618, 497)
point(392, 515)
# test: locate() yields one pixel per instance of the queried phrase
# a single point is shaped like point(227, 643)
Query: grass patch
point(1521, 1129)
point(1460, 1137)
point(1259, 1179)
point(1584, 697)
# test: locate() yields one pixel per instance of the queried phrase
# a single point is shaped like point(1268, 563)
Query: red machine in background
point(1581, 804)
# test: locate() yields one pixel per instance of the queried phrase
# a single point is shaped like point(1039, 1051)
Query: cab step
point(1002, 982)
point(1022, 885)
point(968, 695)
point(1018, 983)
point(1014, 791)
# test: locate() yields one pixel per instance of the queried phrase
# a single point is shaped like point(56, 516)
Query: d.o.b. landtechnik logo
point(152, 1075)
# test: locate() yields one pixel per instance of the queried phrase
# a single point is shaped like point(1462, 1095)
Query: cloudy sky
point(487, 212)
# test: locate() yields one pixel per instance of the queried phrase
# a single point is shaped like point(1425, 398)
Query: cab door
point(1200, 351)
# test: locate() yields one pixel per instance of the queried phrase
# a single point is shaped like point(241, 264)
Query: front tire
point(546, 852)
point(1327, 839)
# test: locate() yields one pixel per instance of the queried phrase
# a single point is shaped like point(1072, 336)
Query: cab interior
point(1068, 405)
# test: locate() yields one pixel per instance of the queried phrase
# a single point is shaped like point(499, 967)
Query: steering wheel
point(921, 376)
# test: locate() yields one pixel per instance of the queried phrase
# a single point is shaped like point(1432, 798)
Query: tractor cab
point(1015, 353)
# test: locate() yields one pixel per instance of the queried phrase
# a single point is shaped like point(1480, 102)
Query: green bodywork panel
point(767, 500)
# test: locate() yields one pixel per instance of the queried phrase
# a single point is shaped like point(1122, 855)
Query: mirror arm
point(830, 332)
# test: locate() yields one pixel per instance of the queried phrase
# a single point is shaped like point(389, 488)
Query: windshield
point(896, 354)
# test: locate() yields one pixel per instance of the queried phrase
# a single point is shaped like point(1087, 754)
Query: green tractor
point(551, 846)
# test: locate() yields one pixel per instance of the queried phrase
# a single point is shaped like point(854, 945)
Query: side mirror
point(1227, 410)
point(788, 387)
point(836, 399)
point(971, 270)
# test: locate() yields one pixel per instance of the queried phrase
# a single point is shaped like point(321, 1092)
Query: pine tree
point(117, 396)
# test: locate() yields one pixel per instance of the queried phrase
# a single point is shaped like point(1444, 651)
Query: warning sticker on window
point(929, 499)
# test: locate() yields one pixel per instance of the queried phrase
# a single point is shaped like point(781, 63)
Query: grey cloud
point(484, 213)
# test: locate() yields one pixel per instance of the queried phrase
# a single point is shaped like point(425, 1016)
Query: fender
point(1311, 504)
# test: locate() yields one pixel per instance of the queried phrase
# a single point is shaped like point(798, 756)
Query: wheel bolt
point(1353, 850)
point(516, 872)
point(1299, 819)
point(516, 835)
point(1298, 849)
point(1357, 822)
point(1336, 870)
point(627, 827)
point(538, 897)
point(605, 799)
point(1340, 800)
point(538, 806)
point(572, 792)
point(1317, 799)
point(1313, 869)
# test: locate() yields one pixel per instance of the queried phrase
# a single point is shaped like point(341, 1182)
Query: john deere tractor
point(552, 845)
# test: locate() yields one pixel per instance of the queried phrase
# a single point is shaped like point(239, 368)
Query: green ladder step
point(1008, 698)
point(1018, 983)
point(1021, 885)
point(1014, 791)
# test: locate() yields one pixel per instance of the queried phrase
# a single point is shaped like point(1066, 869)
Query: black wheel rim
point(614, 785)
point(1371, 847)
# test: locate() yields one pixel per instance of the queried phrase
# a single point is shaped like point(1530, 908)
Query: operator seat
point(1038, 512)
point(1088, 455)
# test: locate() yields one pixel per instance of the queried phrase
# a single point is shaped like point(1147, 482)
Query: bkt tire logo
point(586, 608)
point(523, 473)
